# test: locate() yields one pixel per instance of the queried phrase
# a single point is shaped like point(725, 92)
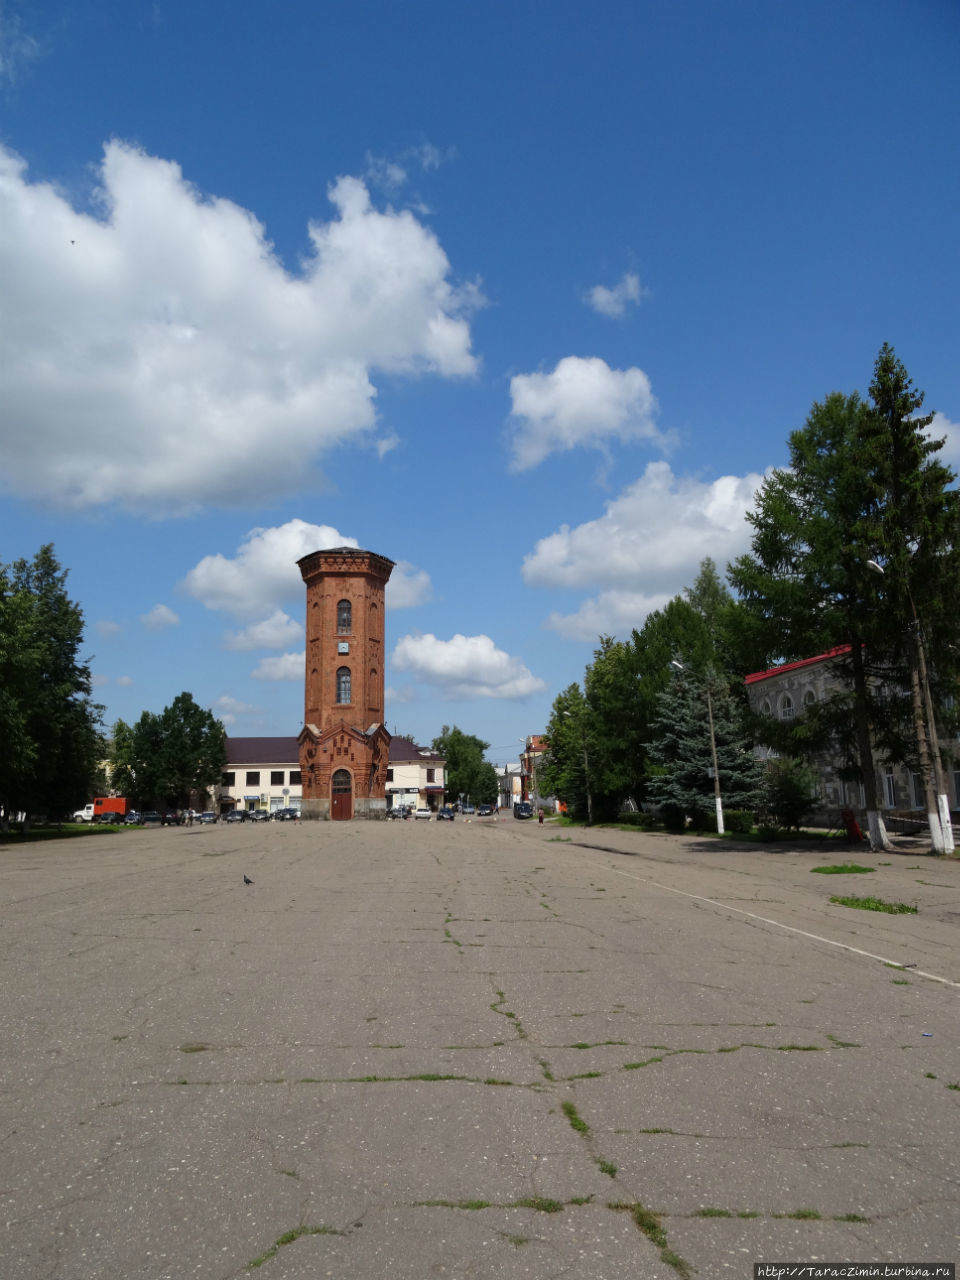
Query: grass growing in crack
point(288, 1238)
point(851, 1217)
point(606, 1167)
point(842, 869)
point(586, 1075)
point(801, 1215)
point(843, 1044)
point(900, 982)
point(954, 1086)
point(875, 904)
point(540, 1203)
point(651, 1226)
point(517, 1241)
point(576, 1120)
point(194, 1048)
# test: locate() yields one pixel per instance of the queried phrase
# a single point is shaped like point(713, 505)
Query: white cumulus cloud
point(583, 402)
point(613, 302)
point(161, 334)
point(159, 618)
point(276, 632)
point(262, 577)
point(941, 427)
point(464, 667)
point(645, 548)
point(288, 666)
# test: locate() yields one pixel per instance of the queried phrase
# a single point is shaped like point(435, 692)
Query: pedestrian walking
point(540, 816)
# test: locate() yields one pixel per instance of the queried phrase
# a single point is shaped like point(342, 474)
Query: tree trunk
point(868, 773)
point(926, 768)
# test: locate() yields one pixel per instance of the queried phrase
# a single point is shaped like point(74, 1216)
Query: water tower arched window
point(786, 707)
point(343, 684)
point(344, 617)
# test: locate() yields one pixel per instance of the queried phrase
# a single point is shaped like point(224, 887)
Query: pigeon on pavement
point(247, 880)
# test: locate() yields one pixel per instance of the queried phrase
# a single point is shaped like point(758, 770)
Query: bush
point(703, 819)
point(768, 832)
point(738, 820)
point(673, 817)
point(791, 792)
point(631, 818)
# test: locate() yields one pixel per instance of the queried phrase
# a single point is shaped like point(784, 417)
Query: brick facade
point(344, 746)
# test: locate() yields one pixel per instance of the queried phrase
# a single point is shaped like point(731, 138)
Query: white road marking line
point(816, 937)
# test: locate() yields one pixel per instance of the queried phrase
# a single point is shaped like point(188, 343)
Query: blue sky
point(525, 297)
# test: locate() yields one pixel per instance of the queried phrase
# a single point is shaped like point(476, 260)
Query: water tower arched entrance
point(341, 795)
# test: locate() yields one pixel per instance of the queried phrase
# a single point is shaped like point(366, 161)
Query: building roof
point(405, 751)
point(262, 750)
point(838, 652)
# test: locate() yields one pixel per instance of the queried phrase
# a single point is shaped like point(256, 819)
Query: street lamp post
point(925, 727)
point(713, 751)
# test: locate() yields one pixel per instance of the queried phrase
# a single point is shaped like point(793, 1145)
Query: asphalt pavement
point(481, 1049)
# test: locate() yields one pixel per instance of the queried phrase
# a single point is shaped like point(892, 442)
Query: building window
point(809, 698)
point(786, 707)
point(889, 789)
point(919, 796)
point(228, 780)
point(344, 617)
point(276, 777)
point(431, 775)
point(253, 777)
point(343, 684)
point(389, 775)
point(295, 777)
point(766, 709)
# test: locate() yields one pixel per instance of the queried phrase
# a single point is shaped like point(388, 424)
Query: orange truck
point(103, 809)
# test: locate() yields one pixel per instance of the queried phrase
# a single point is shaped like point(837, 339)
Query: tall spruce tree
point(862, 484)
point(682, 753)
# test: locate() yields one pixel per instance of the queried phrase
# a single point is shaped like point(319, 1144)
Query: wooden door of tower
point(341, 798)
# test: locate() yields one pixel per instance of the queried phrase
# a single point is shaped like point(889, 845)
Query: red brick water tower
point(344, 746)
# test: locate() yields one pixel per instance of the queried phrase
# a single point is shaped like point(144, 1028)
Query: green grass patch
point(288, 1238)
point(843, 1044)
point(851, 1217)
point(842, 869)
point(875, 904)
point(576, 1120)
point(651, 1226)
point(606, 1167)
point(801, 1215)
point(194, 1048)
point(713, 1213)
point(541, 1203)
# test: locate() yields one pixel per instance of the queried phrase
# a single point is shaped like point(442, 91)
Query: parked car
point(260, 815)
point(235, 815)
point(468, 808)
point(151, 818)
point(207, 816)
point(133, 818)
point(427, 814)
point(484, 810)
point(523, 809)
point(445, 814)
point(289, 814)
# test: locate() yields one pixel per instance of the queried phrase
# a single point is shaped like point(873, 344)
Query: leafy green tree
point(51, 744)
point(172, 759)
point(565, 768)
point(790, 793)
point(681, 753)
point(863, 484)
point(467, 773)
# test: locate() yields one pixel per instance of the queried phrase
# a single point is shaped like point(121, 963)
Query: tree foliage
point(171, 759)
point(680, 747)
point(864, 485)
point(467, 773)
point(50, 740)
